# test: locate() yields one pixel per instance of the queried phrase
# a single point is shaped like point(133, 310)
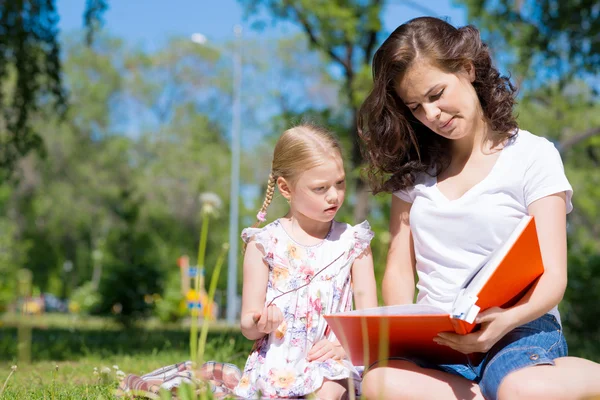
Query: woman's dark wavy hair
point(395, 145)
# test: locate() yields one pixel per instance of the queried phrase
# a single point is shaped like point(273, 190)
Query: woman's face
point(444, 102)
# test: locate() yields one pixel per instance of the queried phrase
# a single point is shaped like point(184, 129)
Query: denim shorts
point(538, 342)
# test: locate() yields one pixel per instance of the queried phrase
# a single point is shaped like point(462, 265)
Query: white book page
point(404, 309)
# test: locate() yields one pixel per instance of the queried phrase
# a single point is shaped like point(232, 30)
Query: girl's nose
point(332, 195)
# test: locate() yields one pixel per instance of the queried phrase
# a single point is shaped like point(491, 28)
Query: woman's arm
point(550, 220)
point(255, 319)
point(399, 278)
point(363, 281)
point(551, 223)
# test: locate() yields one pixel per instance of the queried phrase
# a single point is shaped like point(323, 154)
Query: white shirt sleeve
point(545, 175)
point(405, 194)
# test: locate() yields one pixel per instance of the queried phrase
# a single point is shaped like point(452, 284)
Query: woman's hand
point(269, 320)
point(324, 350)
point(495, 323)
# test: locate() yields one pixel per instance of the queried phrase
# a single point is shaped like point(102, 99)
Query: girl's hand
point(269, 320)
point(324, 350)
point(495, 323)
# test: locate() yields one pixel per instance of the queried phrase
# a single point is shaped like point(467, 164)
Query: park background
point(123, 124)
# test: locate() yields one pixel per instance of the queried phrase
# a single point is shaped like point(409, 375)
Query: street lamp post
point(234, 193)
point(235, 180)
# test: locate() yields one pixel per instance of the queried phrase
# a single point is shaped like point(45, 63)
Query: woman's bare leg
point(571, 378)
point(404, 380)
point(332, 390)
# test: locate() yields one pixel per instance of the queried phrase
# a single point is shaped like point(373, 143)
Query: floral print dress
point(277, 366)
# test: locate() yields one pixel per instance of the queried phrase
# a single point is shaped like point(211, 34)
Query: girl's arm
point(365, 296)
point(399, 278)
point(256, 320)
point(363, 281)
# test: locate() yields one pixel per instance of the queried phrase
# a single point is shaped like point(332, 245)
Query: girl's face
point(319, 192)
point(444, 102)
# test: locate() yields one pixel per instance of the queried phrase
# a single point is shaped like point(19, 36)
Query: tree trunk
point(361, 207)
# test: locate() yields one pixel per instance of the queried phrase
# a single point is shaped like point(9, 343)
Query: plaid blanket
point(222, 378)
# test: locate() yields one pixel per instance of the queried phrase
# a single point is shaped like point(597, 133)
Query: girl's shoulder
point(266, 236)
point(353, 235)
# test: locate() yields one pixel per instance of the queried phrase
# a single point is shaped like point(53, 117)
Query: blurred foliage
point(553, 48)
point(30, 72)
point(171, 306)
point(115, 200)
point(582, 328)
point(76, 341)
point(562, 113)
point(85, 299)
point(544, 40)
point(347, 34)
point(132, 271)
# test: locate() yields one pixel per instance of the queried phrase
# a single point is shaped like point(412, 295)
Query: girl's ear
point(284, 188)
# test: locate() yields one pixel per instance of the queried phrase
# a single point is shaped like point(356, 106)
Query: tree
point(558, 100)
point(561, 38)
point(347, 32)
point(559, 113)
point(30, 70)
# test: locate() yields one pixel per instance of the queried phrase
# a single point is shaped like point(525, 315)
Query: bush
point(85, 299)
point(169, 307)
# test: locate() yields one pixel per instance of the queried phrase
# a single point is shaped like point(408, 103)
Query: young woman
point(439, 133)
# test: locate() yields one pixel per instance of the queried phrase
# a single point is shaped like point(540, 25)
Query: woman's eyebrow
point(425, 95)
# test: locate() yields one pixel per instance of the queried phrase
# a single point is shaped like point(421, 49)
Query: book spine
point(461, 327)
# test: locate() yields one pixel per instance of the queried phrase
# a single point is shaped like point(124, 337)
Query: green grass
point(65, 352)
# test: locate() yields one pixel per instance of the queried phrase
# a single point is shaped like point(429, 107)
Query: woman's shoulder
point(423, 180)
point(527, 141)
point(528, 148)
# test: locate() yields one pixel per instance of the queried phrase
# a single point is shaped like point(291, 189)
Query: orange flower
point(281, 330)
point(294, 252)
point(280, 275)
point(282, 379)
point(244, 382)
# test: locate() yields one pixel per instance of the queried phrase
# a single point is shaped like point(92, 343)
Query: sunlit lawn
point(66, 351)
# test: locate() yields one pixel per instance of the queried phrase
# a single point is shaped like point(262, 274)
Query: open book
point(409, 329)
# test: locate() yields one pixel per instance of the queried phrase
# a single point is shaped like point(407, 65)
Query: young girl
point(299, 268)
point(440, 135)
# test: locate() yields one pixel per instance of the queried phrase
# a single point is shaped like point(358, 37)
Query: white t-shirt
point(452, 237)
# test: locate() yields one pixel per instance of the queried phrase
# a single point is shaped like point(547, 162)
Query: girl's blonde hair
point(297, 150)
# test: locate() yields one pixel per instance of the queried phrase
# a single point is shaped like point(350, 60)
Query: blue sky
point(150, 22)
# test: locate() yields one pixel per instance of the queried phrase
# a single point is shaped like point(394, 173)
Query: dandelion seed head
point(211, 203)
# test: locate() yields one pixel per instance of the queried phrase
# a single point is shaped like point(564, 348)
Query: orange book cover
point(409, 329)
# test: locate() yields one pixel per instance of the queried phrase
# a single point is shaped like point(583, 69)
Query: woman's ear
point(284, 188)
point(470, 70)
